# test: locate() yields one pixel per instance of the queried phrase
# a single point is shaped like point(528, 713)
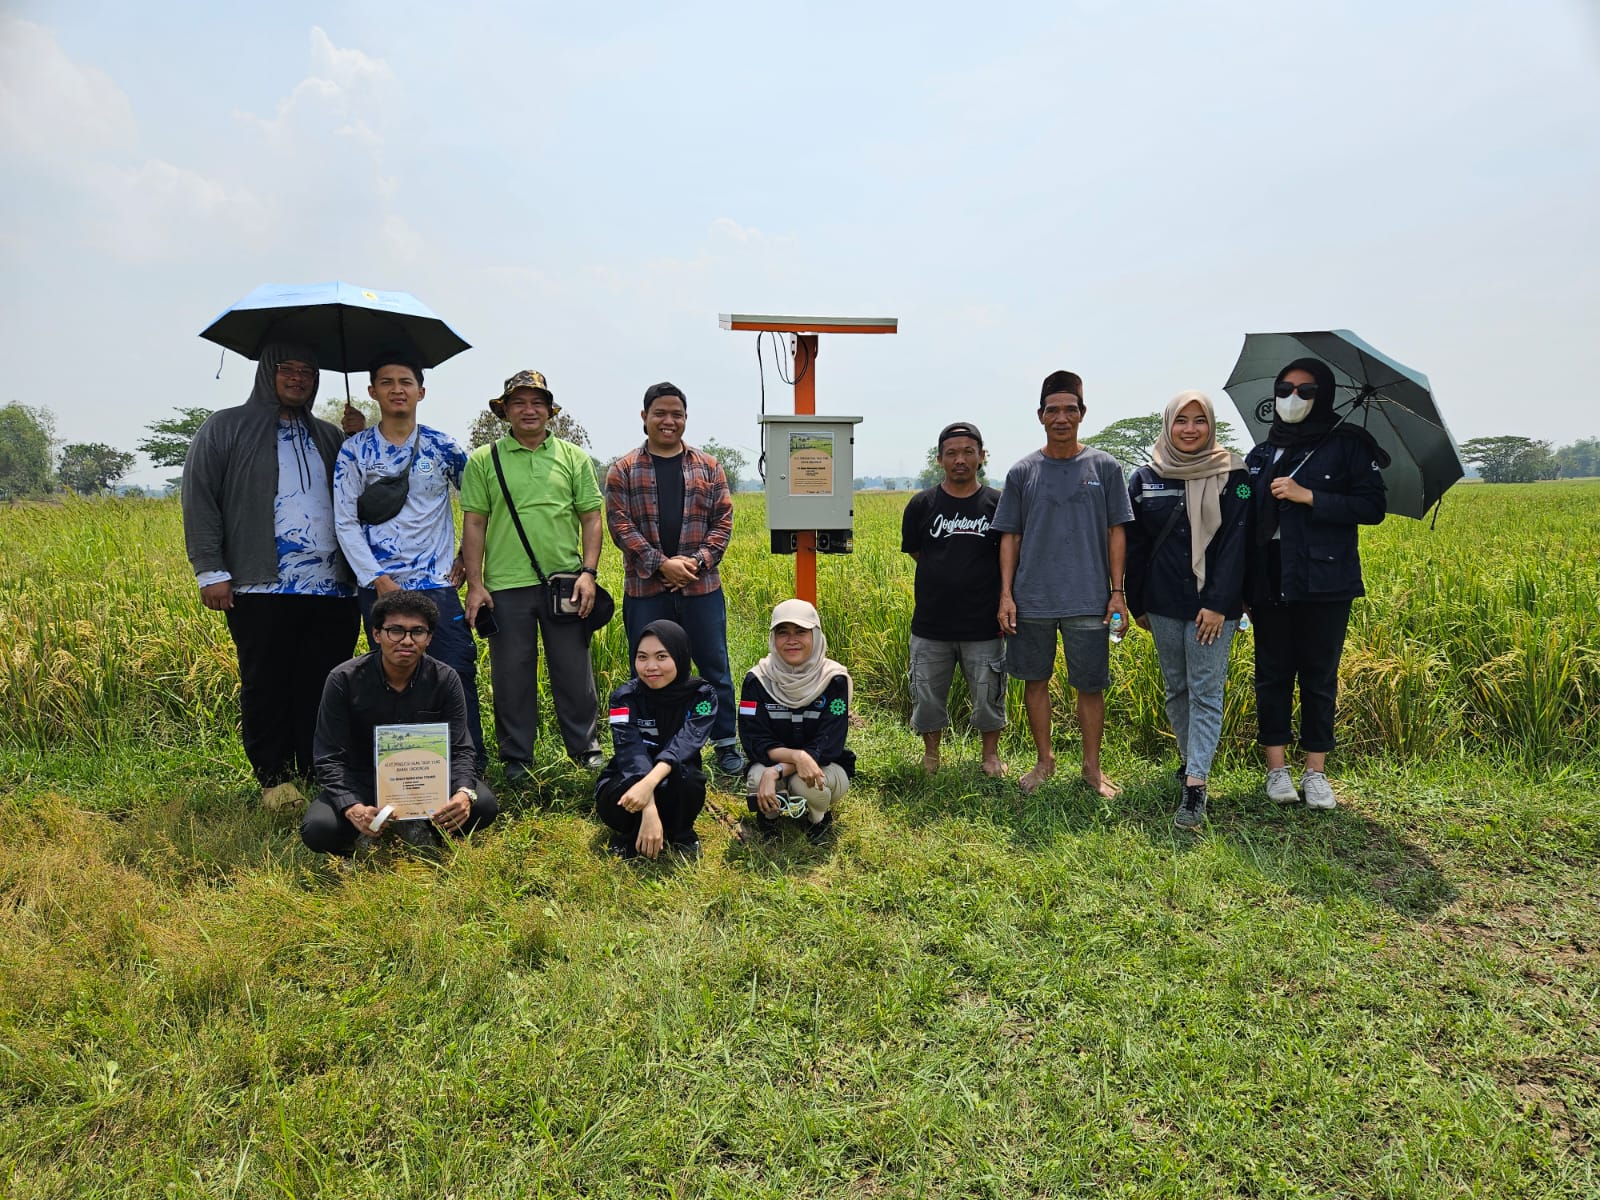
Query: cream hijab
point(1205, 474)
point(796, 687)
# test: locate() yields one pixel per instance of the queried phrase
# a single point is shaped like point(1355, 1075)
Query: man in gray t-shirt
point(1061, 553)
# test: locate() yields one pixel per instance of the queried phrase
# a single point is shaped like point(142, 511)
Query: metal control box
point(810, 479)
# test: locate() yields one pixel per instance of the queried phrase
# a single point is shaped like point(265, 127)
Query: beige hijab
point(796, 687)
point(1205, 473)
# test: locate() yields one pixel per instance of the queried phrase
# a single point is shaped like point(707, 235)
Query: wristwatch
point(472, 796)
point(595, 571)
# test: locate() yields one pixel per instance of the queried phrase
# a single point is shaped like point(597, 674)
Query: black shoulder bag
point(382, 499)
point(560, 603)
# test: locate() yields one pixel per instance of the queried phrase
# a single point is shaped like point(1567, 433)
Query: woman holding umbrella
point(1314, 481)
point(1185, 577)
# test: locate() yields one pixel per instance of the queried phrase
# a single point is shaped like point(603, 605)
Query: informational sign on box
point(811, 465)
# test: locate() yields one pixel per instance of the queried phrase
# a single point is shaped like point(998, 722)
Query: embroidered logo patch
point(1242, 491)
point(837, 708)
point(619, 716)
point(703, 709)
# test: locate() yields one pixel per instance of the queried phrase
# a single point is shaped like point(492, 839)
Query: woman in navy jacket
point(1315, 480)
point(653, 788)
point(1185, 578)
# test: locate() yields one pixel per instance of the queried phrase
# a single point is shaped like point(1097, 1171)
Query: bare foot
point(1101, 784)
point(930, 763)
point(1042, 770)
point(994, 768)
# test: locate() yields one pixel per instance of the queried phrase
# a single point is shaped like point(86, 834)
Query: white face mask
point(1294, 408)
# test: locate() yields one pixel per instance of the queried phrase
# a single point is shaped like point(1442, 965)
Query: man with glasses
point(414, 548)
point(552, 486)
point(1061, 558)
point(396, 684)
point(259, 532)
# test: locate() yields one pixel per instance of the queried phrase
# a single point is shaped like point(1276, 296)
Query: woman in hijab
point(653, 788)
point(793, 717)
point(1185, 578)
point(1314, 481)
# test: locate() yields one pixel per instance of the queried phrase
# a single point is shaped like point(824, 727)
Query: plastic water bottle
point(1244, 622)
point(1118, 627)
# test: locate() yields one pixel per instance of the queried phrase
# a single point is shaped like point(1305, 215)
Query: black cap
point(657, 390)
point(960, 429)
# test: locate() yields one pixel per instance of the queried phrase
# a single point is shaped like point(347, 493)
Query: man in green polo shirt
point(553, 487)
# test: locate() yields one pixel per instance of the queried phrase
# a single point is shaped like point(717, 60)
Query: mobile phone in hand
point(486, 625)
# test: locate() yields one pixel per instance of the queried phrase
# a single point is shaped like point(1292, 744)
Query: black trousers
point(1303, 642)
point(325, 830)
point(679, 799)
point(286, 646)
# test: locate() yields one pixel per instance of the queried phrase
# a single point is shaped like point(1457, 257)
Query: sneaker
point(285, 797)
point(593, 761)
point(731, 762)
point(419, 834)
point(1280, 786)
point(622, 846)
point(518, 774)
point(817, 832)
point(689, 850)
point(765, 829)
point(1319, 792)
point(1192, 812)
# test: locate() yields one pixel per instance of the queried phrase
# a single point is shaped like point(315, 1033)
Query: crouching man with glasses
point(396, 684)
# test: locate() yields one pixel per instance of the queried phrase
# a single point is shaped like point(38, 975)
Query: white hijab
point(796, 687)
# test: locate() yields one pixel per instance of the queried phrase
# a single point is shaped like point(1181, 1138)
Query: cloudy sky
point(1122, 189)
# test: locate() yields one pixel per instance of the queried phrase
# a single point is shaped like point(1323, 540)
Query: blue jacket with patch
point(819, 728)
point(635, 733)
point(1165, 584)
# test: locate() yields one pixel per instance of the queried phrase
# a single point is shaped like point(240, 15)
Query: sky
point(1119, 189)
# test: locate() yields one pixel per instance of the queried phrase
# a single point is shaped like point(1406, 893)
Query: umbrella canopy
point(1389, 400)
point(346, 325)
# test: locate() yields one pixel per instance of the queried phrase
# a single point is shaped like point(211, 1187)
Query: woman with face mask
point(1185, 578)
point(1314, 480)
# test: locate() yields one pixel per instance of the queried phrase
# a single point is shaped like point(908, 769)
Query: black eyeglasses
point(402, 633)
point(1283, 389)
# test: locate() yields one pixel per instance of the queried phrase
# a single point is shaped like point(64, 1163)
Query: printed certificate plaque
point(811, 464)
point(413, 764)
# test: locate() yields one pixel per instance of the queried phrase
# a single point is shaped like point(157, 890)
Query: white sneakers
point(1280, 787)
point(1319, 792)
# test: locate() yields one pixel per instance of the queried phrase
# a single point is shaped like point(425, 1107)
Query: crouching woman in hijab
point(793, 718)
point(653, 788)
point(1315, 480)
point(1185, 578)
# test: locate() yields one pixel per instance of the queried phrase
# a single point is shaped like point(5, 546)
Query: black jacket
point(819, 728)
point(1165, 585)
point(636, 745)
point(357, 698)
point(1320, 545)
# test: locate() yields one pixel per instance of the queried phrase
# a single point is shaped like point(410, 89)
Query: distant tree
point(167, 443)
point(933, 473)
point(732, 461)
point(1510, 459)
point(27, 436)
point(565, 426)
point(1129, 440)
point(90, 468)
point(1580, 460)
point(487, 428)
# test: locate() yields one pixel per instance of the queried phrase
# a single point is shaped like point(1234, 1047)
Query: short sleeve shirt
point(958, 564)
point(551, 487)
point(1063, 508)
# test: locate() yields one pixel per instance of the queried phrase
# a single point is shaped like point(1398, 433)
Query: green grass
point(964, 995)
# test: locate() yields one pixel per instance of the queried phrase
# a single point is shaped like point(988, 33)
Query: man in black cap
point(669, 512)
point(949, 530)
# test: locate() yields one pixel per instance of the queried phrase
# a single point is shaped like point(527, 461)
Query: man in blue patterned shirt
point(415, 550)
point(258, 529)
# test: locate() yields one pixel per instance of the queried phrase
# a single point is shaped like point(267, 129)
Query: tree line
point(35, 463)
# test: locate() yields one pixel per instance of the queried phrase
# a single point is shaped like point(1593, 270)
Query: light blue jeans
point(1194, 675)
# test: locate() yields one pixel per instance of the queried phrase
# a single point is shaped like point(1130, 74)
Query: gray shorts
point(1031, 651)
point(933, 666)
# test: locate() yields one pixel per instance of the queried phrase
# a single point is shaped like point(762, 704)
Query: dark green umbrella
point(1389, 400)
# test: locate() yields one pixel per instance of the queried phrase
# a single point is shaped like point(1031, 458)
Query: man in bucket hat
point(552, 485)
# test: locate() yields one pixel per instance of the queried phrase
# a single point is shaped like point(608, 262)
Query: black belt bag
point(382, 499)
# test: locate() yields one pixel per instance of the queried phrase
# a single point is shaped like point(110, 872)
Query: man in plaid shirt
point(669, 512)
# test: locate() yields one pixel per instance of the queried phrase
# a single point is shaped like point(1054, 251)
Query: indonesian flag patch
point(747, 708)
point(619, 716)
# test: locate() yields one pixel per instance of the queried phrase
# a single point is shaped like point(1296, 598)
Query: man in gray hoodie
point(259, 531)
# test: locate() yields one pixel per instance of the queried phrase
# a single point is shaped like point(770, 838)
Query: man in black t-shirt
point(948, 529)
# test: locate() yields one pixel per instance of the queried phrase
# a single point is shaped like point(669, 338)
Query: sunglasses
point(1283, 389)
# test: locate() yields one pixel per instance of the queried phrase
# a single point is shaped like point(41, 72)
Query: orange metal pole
point(805, 401)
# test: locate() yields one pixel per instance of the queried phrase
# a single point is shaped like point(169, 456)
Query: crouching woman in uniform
point(794, 712)
point(1185, 578)
point(653, 788)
